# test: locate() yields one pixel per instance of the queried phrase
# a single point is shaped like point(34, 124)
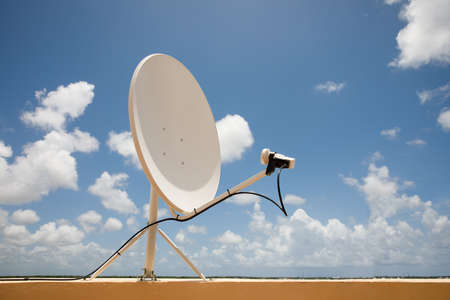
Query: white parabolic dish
point(174, 133)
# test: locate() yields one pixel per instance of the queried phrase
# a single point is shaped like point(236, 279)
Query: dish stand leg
point(149, 270)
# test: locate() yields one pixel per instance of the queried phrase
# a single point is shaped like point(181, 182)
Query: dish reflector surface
point(174, 132)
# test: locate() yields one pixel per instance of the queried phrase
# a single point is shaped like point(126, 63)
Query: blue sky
point(357, 91)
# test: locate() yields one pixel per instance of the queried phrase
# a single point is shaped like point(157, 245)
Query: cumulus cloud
point(89, 220)
point(123, 144)
point(229, 237)
point(434, 221)
point(444, 119)
point(197, 229)
point(132, 223)
point(24, 217)
point(181, 237)
point(330, 87)
point(235, 137)
point(48, 164)
point(416, 142)
point(56, 107)
point(17, 235)
point(113, 224)
point(439, 92)
point(55, 259)
point(107, 188)
point(5, 151)
point(382, 193)
point(302, 241)
point(390, 133)
point(52, 234)
point(426, 37)
point(49, 234)
point(44, 166)
point(294, 200)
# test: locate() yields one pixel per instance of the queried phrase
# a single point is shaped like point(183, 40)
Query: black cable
point(280, 206)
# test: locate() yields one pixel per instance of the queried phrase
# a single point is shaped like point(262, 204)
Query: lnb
point(275, 160)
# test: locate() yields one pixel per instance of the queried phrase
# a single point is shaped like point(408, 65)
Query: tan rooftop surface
point(228, 288)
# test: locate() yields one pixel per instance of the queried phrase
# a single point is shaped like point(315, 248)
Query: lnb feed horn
point(275, 160)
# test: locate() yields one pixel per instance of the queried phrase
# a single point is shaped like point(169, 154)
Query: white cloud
point(132, 223)
point(48, 164)
point(243, 199)
point(235, 137)
point(390, 133)
point(391, 2)
point(197, 229)
point(113, 224)
point(89, 220)
point(107, 187)
point(424, 96)
point(294, 200)
point(56, 259)
point(416, 142)
point(439, 92)
point(45, 166)
point(53, 248)
point(426, 37)
point(302, 241)
point(51, 234)
point(181, 237)
point(5, 151)
point(444, 119)
point(123, 144)
point(17, 235)
point(330, 87)
point(435, 222)
point(229, 237)
point(382, 193)
point(40, 94)
point(24, 217)
point(62, 221)
point(56, 107)
point(259, 222)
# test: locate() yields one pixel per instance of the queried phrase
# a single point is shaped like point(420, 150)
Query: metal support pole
point(151, 236)
point(181, 254)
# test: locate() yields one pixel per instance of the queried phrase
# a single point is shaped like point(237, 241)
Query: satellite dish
point(178, 147)
point(174, 133)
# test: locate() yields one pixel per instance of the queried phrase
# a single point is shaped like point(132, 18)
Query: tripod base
point(148, 276)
